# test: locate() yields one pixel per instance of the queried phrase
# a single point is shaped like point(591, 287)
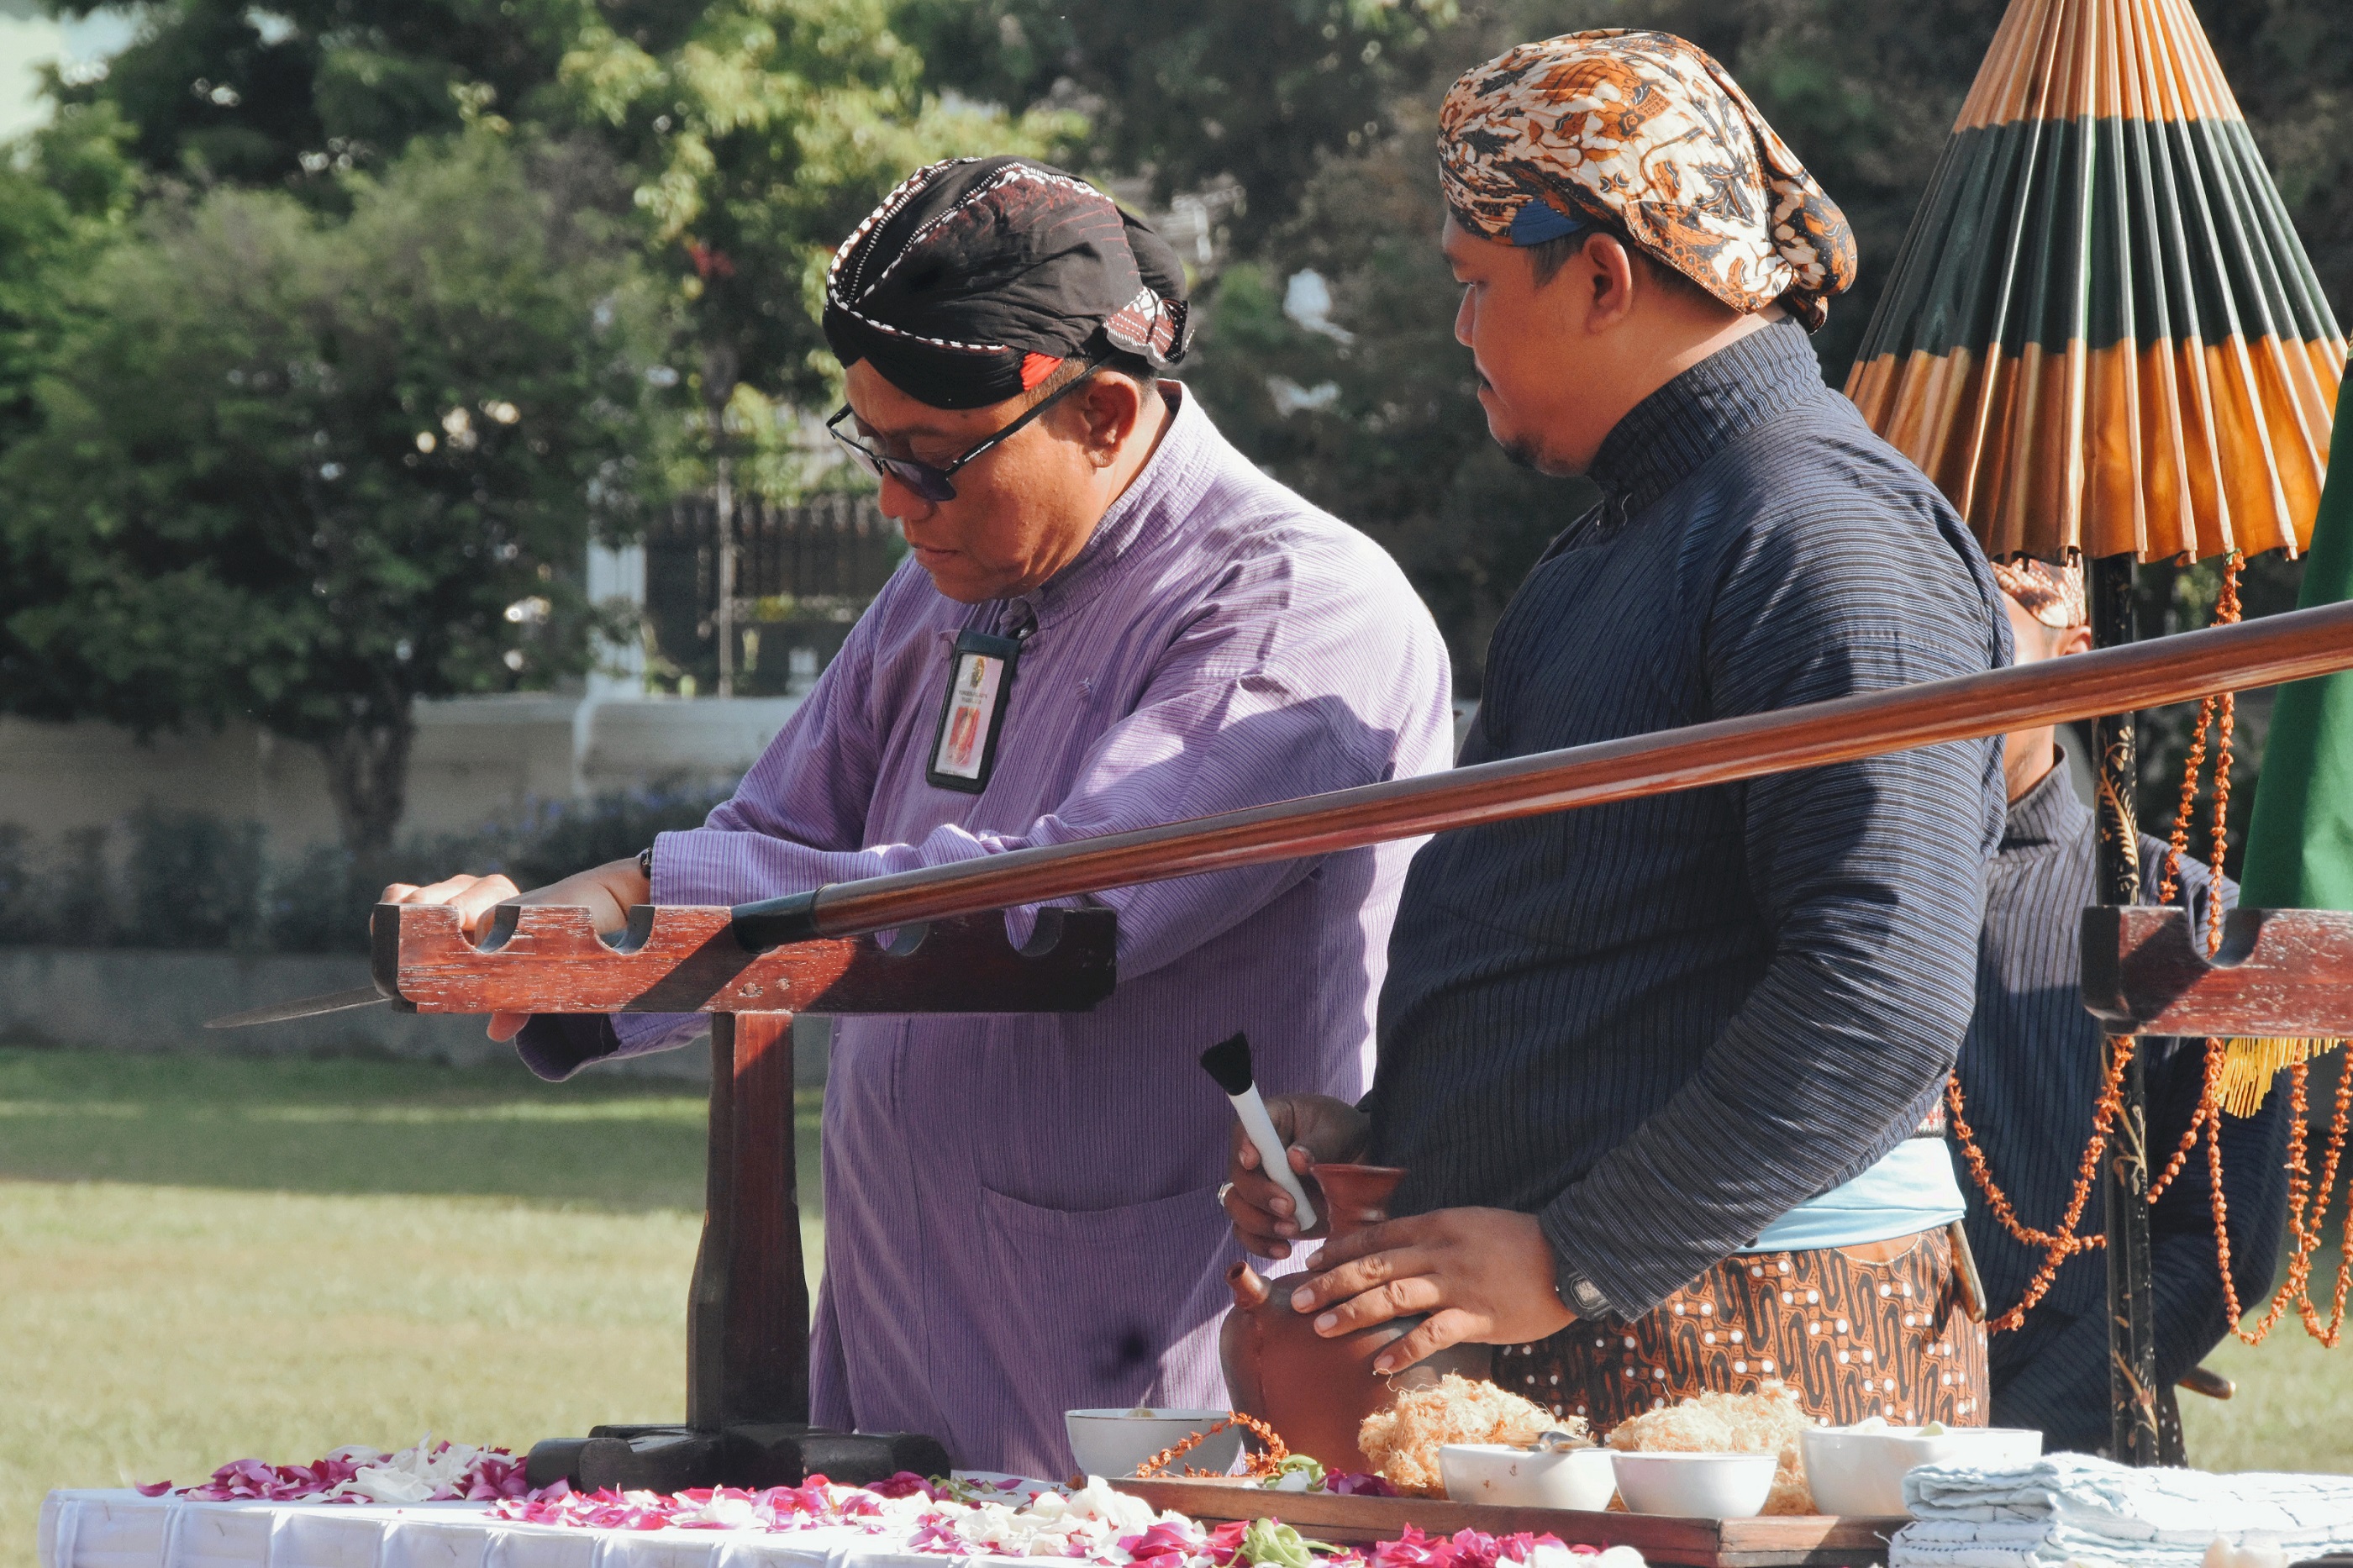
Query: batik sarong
point(1876, 1330)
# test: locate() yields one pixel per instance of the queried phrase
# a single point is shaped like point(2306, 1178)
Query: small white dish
point(1500, 1473)
point(1860, 1469)
point(1111, 1443)
point(1696, 1486)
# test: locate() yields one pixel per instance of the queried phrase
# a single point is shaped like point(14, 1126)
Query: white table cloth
point(120, 1529)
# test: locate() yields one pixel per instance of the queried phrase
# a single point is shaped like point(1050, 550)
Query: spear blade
point(305, 1008)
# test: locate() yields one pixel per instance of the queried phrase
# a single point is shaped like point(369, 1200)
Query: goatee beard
point(1523, 452)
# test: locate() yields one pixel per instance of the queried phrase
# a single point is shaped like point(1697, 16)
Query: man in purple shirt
point(1111, 620)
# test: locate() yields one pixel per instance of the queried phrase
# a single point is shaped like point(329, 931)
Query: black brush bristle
point(1229, 1061)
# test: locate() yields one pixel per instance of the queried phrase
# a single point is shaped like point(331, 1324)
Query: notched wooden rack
point(747, 1317)
point(692, 958)
point(2280, 972)
point(750, 968)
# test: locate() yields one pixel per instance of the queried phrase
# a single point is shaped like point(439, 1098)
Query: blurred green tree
point(298, 92)
point(757, 142)
point(754, 134)
point(312, 469)
point(64, 197)
point(747, 136)
point(1252, 93)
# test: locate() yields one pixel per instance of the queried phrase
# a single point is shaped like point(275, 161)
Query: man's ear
point(1109, 408)
point(2074, 639)
point(1610, 278)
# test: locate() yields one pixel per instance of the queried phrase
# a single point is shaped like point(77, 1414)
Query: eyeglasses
point(931, 480)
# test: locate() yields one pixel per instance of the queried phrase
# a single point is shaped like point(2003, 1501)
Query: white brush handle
point(1251, 1109)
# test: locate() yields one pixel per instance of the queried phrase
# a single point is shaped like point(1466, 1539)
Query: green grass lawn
point(2289, 1411)
point(207, 1259)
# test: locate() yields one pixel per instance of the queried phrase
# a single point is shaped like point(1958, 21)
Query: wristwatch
point(1577, 1293)
point(646, 864)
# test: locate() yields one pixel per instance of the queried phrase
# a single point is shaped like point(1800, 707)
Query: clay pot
point(1317, 1392)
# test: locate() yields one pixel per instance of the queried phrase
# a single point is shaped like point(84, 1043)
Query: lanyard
point(972, 715)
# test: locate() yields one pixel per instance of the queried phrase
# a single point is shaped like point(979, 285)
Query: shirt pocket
point(1088, 1302)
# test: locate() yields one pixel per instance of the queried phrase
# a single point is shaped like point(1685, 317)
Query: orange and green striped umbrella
point(2101, 334)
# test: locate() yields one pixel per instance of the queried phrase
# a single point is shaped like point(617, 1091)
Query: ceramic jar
point(1317, 1392)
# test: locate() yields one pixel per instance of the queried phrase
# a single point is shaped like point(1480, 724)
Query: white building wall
point(475, 759)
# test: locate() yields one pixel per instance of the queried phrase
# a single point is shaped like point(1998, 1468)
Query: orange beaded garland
point(2309, 1201)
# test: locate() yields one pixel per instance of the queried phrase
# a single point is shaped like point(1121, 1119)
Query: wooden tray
point(1821, 1540)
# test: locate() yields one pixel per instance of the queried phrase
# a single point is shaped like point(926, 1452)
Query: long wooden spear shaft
point(2291, 647)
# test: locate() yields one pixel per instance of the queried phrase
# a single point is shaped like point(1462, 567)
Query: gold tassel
point(2249, 1067)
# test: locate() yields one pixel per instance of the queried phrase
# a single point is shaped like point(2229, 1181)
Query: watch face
point(1586, 1299)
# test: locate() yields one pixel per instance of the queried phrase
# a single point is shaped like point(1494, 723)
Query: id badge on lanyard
point(980, 684)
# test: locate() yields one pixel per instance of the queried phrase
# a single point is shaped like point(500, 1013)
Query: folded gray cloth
point(2072, 1508)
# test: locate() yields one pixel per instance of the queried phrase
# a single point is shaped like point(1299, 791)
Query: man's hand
point(1314, 1129)
point(1483, 1275)
point(606, 892)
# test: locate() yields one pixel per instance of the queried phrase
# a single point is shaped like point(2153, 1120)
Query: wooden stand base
point(747, 1316)
point(753, 1456)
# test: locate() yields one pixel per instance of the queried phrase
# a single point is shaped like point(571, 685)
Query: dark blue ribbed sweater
point(2030, 1067)
point(1662, 1024)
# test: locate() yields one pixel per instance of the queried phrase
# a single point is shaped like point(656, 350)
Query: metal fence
point(800, 575)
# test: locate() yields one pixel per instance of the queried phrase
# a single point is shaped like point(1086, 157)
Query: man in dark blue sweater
point(2030, 1070)
point(1655, 1070)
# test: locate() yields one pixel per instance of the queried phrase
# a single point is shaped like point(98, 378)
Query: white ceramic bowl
point(1860, 1469)
point(1523, 1478)
point(1696, 1486)
point(1111, 1443)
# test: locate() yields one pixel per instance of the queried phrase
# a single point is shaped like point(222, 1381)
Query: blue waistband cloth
point(1912, 1189)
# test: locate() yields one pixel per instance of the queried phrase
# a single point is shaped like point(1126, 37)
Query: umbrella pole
point(2132, 1335)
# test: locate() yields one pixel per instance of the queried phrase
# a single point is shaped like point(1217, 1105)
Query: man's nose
point(902, 505)
point(1465, 319)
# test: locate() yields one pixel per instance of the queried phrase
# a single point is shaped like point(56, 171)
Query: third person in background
point(2030, 1072)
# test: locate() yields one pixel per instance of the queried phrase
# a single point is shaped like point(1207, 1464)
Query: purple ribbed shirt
point(1021, 1210)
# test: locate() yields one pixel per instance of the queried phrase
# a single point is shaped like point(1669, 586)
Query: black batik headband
point(978, 278)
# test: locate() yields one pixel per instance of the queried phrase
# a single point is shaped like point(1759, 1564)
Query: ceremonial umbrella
point(2101, 334)
point(2102, 338)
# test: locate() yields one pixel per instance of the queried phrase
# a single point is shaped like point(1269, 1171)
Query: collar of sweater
point(1671, 434)
point(2050, 813)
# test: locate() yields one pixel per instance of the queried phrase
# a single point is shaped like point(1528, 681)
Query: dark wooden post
point(747, 1313)
point(2132, 1333)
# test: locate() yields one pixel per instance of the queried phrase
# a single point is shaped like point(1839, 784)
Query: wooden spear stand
point(747, 1308)
point(747, 1399)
